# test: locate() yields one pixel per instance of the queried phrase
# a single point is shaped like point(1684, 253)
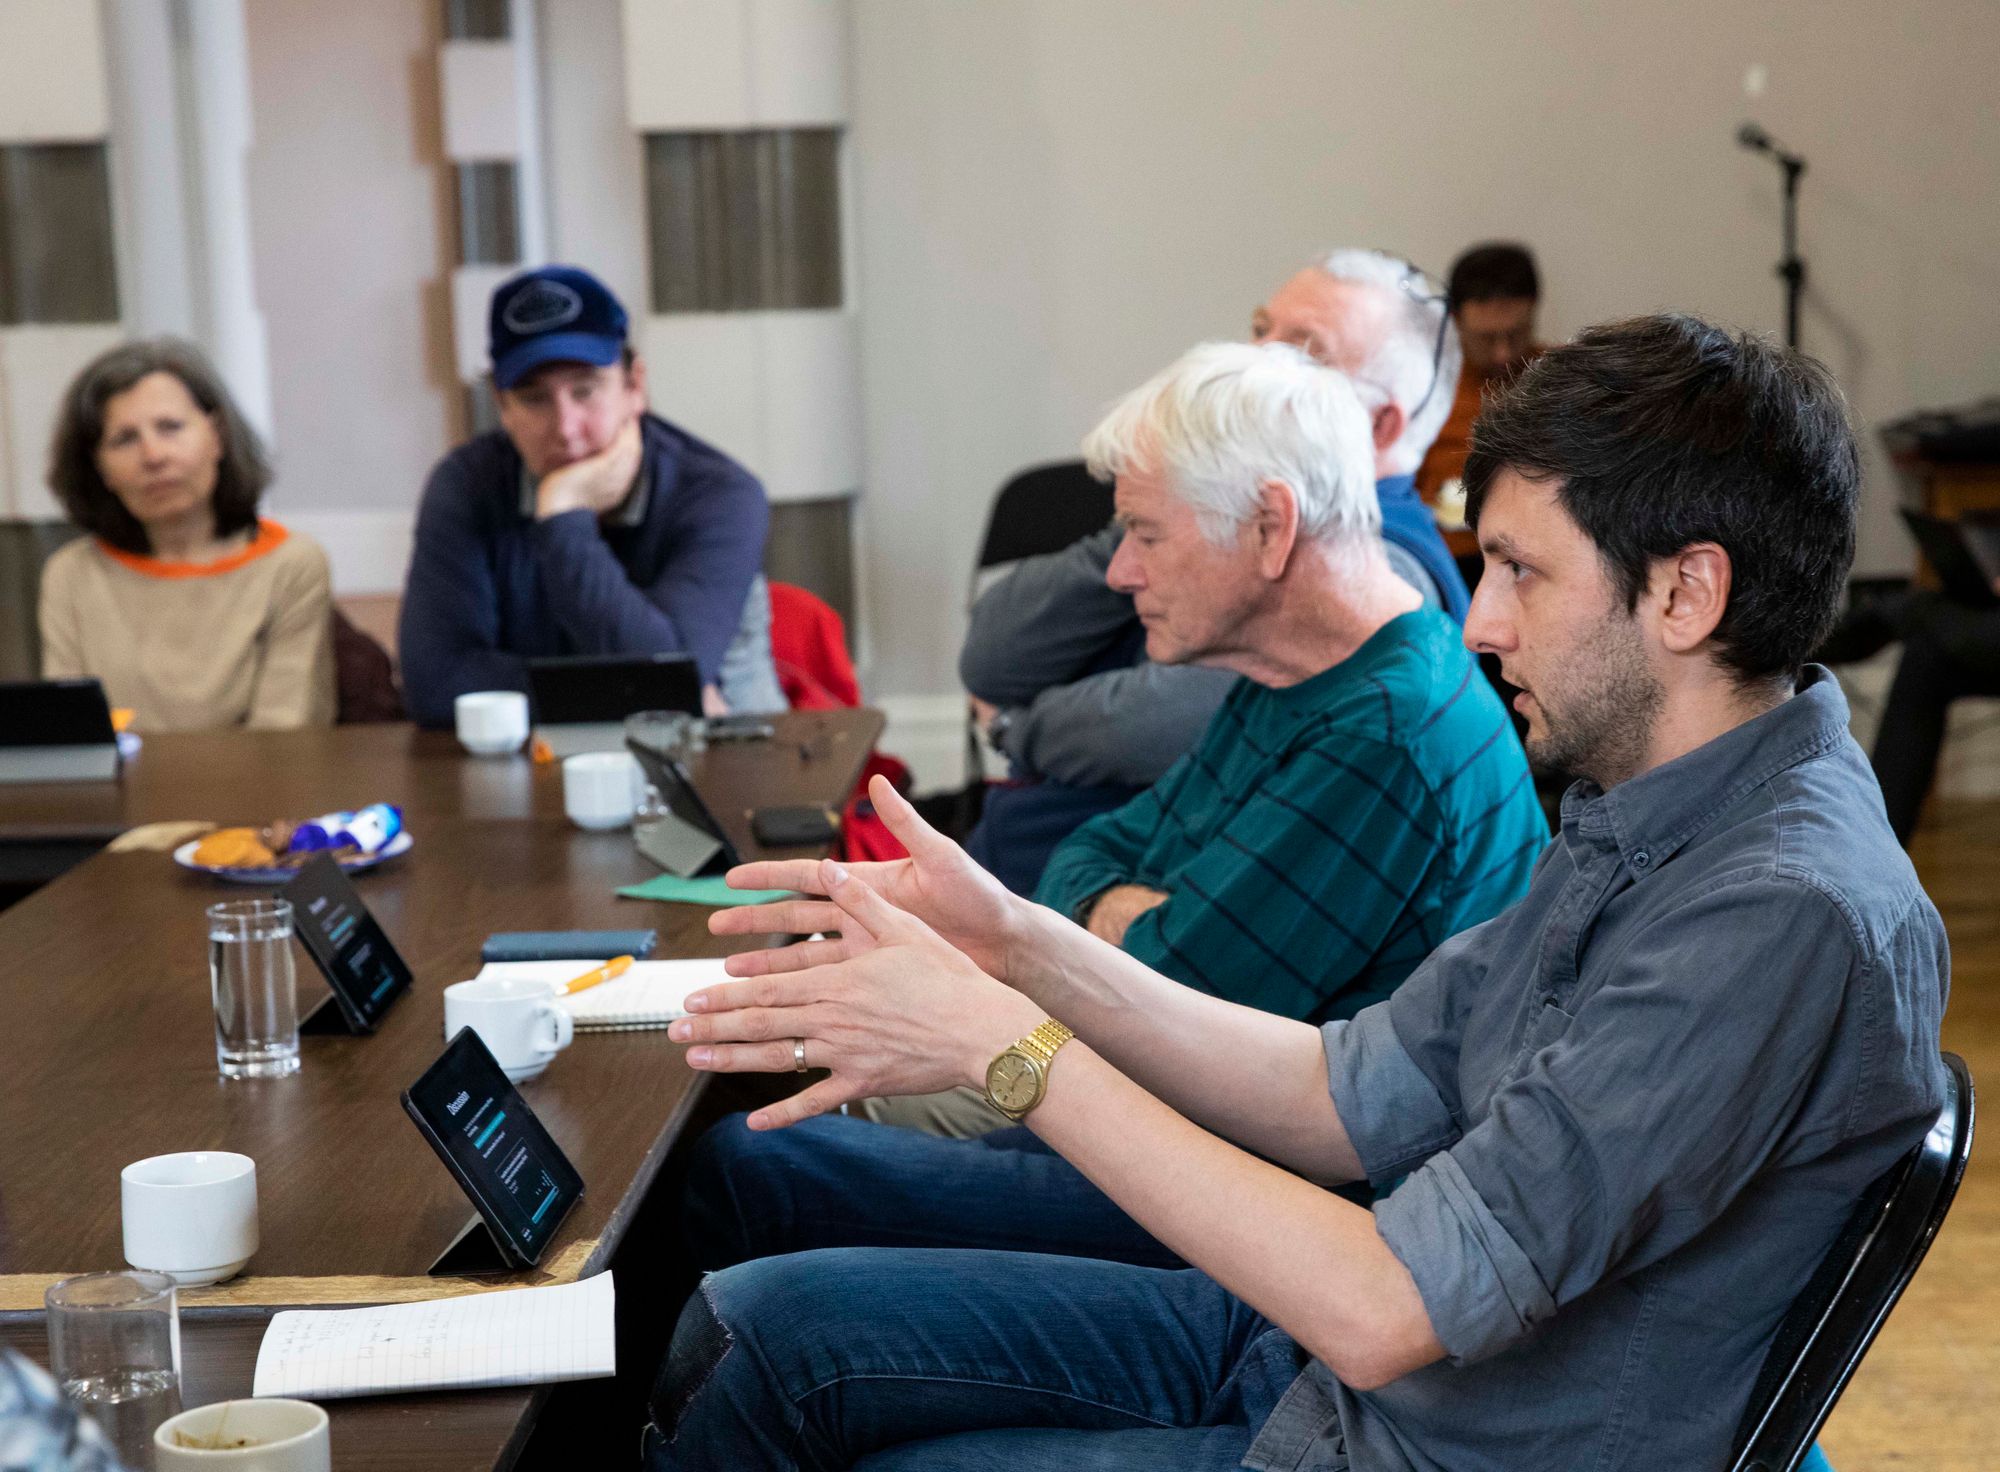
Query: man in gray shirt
point(1622, 1122)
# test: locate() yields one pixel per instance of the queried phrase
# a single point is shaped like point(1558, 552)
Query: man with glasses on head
point(1053, 657)
point(585, 525)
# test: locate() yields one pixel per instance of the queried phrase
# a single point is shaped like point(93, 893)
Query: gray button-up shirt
point(1636, 1109)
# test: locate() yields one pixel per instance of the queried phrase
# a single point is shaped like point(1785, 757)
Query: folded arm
point(1047, 622)
point(694, 603)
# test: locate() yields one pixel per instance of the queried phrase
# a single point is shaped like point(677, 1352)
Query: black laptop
point(56, 731)
point(580, 701)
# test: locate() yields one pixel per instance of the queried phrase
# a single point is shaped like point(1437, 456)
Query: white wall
point(595, 163)
point(350, 235)
point(1056, 196)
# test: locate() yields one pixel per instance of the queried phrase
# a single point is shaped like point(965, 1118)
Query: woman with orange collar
point(195, 612)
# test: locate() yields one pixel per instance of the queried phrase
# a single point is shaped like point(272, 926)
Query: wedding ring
point(798, 1055)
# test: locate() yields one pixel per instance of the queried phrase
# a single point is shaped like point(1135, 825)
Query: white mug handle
point(565, 1029)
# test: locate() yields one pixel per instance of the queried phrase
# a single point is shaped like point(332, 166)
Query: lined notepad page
point(649, 994)
point(522, 1336)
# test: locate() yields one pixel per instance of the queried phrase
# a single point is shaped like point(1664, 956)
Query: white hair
point(1228, 416)
point(1400, 366)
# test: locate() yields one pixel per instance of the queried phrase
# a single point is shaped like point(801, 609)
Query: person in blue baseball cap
point(586, 524)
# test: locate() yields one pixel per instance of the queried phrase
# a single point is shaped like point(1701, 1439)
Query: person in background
point(193, 611)
point(1053, 658)
point(1619, 1126)
point(585, 524)
point(1494, 291)
point(1950, 651)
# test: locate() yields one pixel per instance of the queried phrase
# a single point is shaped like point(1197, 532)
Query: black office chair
point(1043, 509)
point(1842, 1309)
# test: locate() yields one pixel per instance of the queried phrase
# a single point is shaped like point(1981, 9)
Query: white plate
point(281, 873)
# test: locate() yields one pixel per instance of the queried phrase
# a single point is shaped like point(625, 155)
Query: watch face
point(1012, 1081)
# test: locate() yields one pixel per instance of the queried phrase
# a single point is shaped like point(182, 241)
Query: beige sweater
point(245, 641)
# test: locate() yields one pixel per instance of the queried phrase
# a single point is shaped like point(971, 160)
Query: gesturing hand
point(889, 1008)
point(937, 884)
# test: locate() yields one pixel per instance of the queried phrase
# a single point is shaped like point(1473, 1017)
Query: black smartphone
point(793, 827)
point(516, 1175)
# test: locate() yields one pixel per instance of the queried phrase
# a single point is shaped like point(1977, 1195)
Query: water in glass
point(129, 1406)
point(255, 988)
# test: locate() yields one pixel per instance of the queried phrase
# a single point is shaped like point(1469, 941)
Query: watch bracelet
point(1045, 1039)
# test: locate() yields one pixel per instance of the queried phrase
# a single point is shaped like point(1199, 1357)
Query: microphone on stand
point(1754, 138)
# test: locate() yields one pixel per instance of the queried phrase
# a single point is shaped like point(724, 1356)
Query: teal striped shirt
point(1321, 840)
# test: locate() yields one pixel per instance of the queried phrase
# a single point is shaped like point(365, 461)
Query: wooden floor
point(1928, 1395)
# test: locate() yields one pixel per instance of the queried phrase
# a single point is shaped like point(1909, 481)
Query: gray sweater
point(1035, 639)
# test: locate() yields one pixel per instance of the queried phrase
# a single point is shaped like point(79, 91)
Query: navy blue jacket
point(489, 586)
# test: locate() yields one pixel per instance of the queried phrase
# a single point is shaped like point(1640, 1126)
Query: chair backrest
point(1044, 509)
point(1833, 1321)
point(809, 650)
point(24, 547)
point(364, 677)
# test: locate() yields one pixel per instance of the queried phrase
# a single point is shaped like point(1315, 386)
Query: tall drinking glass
point(115, 1348)
point(254, 987)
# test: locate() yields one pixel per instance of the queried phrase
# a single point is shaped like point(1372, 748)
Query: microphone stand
point(1791, 266)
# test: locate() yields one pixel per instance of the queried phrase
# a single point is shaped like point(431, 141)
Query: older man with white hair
point(1360, 746)
point(1051, 656)
point(1359, 798)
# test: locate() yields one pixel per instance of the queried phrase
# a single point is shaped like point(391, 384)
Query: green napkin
point(704, 891)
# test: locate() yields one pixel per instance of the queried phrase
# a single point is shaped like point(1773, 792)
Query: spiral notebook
point(650, 994)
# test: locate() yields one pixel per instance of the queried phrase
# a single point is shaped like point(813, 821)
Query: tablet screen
point(346, 943)
point(481, 1127)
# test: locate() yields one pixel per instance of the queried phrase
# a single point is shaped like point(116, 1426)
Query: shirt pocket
point(1548, 1026)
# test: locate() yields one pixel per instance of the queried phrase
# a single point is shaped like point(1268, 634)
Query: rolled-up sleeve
point(1479, 1287)
point(1628, 1128)
point(1393, 1114)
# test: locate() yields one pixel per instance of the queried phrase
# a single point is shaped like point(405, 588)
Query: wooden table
point(448, 1431)
point(111, 1048)
point(248, 777)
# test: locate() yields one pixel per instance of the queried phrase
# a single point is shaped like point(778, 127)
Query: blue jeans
point(899, 1360)
point(836, 1181)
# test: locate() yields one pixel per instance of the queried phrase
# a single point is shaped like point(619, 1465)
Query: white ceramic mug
point(192, 1215)
point(519, 1020)
point(491, 722)
point(246, 1436)
point(602, 788)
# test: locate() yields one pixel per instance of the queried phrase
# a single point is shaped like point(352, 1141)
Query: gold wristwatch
point(1017, 1079)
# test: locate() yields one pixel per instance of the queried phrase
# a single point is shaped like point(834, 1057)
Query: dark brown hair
point(240, 478)
point(1660, 432)
point(1499, 270)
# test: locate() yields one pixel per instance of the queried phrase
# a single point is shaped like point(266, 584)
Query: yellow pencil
point(616, 966)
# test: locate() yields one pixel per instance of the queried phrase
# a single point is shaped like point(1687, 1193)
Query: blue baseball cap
point(552, 314)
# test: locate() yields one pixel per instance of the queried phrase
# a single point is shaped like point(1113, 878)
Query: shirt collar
point(1396, 488)
point(1652, 816)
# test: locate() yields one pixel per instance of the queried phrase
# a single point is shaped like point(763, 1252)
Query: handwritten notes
point(522, 1336)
